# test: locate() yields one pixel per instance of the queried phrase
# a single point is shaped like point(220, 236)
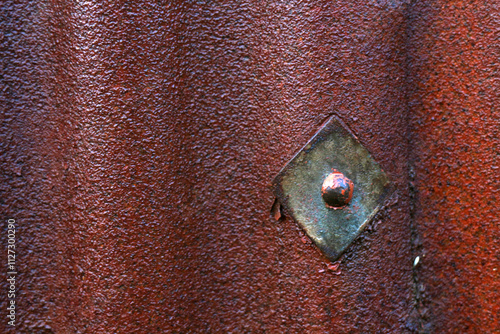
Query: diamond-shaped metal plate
point(298, 187)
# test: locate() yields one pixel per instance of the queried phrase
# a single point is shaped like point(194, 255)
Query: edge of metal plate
point(298, 187)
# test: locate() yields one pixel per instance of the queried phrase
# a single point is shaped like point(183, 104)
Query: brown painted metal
point(456, 164)
point(139, 140)
point(142, 139)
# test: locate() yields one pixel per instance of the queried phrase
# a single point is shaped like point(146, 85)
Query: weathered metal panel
point(456, 164)
point(139, 140)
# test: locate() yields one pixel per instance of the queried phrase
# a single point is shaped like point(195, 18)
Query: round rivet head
point(337, 190)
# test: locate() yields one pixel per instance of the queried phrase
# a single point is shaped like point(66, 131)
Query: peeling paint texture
point(139, 140)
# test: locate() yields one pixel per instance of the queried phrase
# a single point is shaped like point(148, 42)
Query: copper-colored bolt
point(337, 190)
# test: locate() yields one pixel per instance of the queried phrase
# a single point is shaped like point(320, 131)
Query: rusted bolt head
point(337, 190)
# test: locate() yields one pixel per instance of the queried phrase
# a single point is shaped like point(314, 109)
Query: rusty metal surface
point(298, 186)
point(138, 141)
point(456, 164)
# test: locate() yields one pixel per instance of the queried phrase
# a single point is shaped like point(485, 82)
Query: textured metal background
point(139, 140)
point(456, 157)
